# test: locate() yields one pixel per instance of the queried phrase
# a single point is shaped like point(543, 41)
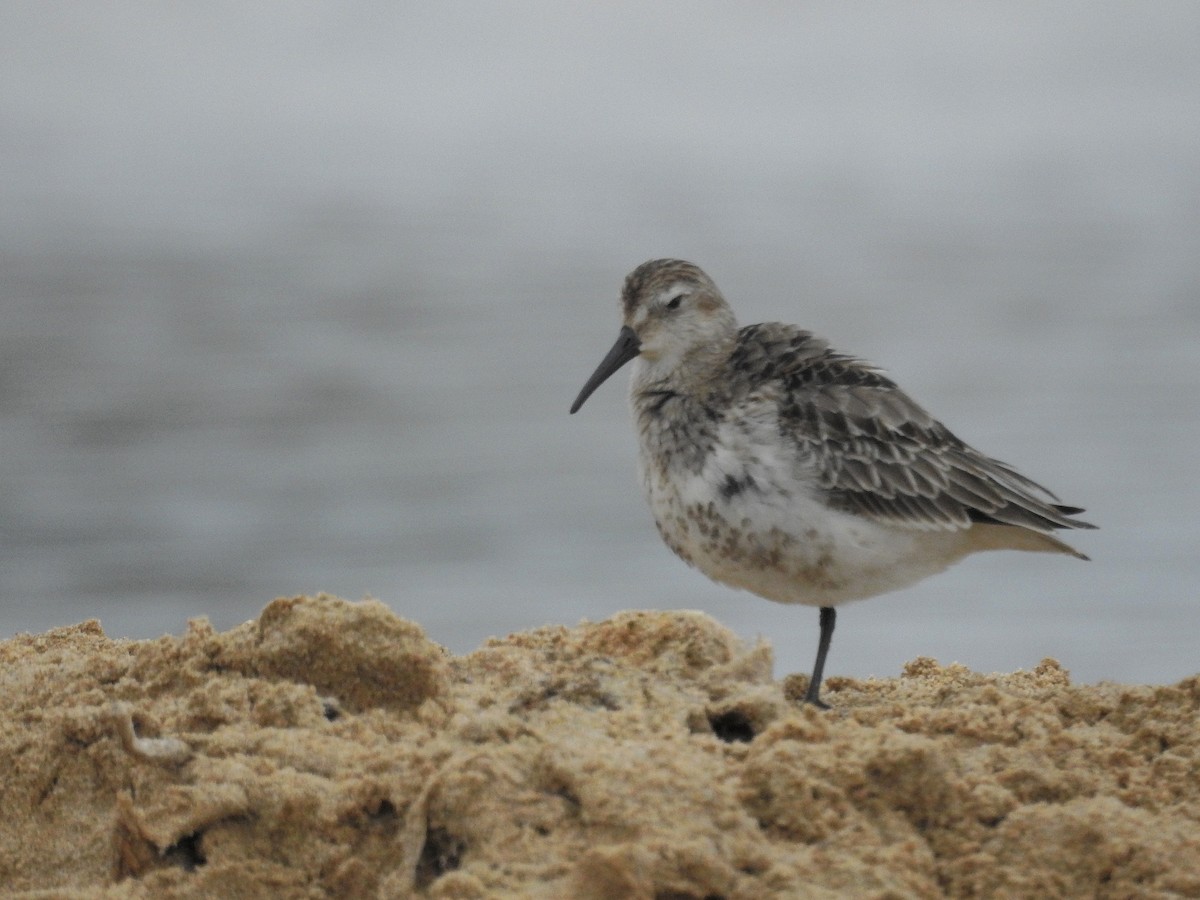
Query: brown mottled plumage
point(777, 465)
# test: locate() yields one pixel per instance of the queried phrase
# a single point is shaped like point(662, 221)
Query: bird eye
point(674, 302)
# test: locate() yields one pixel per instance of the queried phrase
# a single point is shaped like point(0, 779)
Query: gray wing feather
point(877, 452)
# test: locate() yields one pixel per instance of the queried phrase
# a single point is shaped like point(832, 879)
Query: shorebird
point(774, 464)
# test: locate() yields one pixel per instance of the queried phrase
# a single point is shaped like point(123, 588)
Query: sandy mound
point(329, 749)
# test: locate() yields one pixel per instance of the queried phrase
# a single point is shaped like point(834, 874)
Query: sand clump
point(328, 749)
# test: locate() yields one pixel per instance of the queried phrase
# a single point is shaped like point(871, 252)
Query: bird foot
point(818, 703)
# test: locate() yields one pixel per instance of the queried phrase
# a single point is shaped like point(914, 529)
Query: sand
point(328, 749)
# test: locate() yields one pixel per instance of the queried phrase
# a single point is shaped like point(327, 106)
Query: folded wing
point(878, 453)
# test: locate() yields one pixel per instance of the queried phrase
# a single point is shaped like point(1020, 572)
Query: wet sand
point(329, 749)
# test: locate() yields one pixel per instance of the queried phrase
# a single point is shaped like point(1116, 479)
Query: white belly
point(781, 542)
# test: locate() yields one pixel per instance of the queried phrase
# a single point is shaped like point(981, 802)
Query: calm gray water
point(298, 302)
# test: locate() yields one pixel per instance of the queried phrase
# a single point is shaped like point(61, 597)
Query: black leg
point(813, 694)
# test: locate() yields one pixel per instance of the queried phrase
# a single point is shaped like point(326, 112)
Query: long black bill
point(626, 348)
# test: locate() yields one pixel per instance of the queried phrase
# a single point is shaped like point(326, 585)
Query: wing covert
point(877, 452)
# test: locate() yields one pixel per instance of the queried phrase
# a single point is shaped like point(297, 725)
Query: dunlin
point(775, 464)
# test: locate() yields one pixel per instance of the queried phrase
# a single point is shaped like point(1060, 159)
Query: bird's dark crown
point(654, 275)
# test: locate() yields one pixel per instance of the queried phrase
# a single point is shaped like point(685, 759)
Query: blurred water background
point(295, 298)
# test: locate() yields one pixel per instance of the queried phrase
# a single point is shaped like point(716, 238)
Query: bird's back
point(874, 450)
